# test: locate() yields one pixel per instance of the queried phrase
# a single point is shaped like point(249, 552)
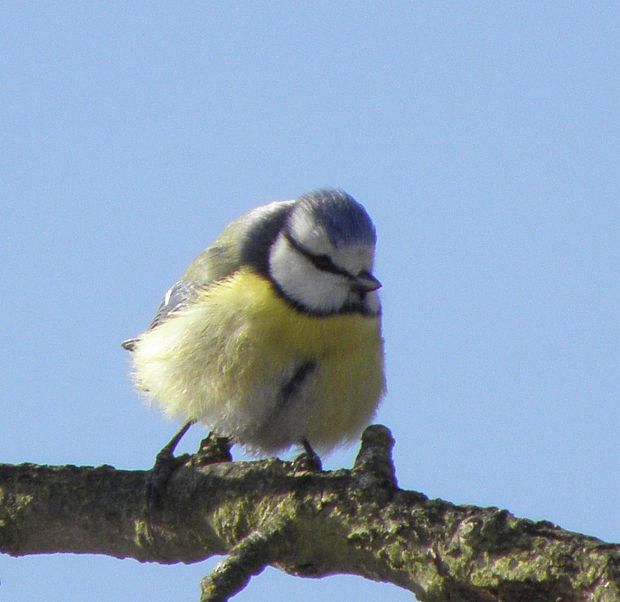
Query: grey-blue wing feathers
point(177, 297)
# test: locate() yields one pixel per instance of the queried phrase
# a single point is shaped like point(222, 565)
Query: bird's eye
point(323, 262)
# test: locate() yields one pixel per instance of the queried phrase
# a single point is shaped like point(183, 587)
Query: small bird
point(272, 336)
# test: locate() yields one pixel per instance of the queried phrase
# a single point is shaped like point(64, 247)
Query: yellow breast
point(225, 359)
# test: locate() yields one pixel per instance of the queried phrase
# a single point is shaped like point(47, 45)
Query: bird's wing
point(179, 295)
point(245, 241)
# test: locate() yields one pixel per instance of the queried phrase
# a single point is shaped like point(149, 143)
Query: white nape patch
point(303, 282)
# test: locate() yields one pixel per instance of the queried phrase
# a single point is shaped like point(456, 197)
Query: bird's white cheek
point(303, 282)
point(314, 289)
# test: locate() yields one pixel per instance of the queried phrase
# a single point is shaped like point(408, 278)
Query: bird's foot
point(308, 461)
point(165, 465)
point(157, 481)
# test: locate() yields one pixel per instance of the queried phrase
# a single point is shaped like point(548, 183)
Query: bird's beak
point(366, 282)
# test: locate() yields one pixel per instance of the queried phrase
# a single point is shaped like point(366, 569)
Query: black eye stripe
point(322, 262)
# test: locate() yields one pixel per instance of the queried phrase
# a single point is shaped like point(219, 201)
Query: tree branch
point(308, 524)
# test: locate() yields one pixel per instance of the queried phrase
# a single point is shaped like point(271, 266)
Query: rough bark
point(309, 524)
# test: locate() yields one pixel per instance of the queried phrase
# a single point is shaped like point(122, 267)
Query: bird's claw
point(308, 461)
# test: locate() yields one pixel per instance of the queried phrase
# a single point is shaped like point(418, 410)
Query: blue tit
point(272, 337)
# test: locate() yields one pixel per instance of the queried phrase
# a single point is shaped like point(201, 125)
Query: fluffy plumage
point(272, 335)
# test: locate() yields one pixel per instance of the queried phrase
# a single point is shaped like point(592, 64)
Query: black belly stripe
point(293, 385)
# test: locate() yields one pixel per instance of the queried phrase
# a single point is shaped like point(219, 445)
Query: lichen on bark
point(312, 524)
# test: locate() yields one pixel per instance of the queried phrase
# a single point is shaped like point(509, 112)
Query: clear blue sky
point(482, 137)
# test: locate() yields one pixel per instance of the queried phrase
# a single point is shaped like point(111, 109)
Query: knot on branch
point(374, 467)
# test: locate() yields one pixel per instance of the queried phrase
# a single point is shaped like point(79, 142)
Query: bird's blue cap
point(344, 219)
